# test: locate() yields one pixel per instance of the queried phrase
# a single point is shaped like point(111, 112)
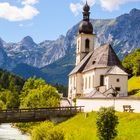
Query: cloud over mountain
point(14, 13)
point(108, 5)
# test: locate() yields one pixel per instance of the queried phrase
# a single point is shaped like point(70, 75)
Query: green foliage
point(62, 89)
point(47, 131)
point(8, 99)
point(74, 100)
point(132, 62)
point(26, 127)
point(106, 123)
point(134, 86)
point(36, 94)
point(10, 87)
point(10, 81)
point(1, 105)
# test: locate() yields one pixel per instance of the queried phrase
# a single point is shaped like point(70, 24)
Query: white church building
point(98, 72)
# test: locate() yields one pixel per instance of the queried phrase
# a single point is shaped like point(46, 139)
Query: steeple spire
point(86, 12)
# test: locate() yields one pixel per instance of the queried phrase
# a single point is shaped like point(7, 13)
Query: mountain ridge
point(123, 32)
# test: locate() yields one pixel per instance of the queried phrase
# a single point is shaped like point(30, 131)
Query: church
point(98, 72)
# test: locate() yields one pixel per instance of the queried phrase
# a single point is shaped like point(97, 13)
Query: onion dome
point(85, 26)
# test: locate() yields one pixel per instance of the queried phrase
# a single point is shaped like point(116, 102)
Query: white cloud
point(108, 5)
point(13, 13)
point(111, 5)
point(77, 7)
point(29, 2)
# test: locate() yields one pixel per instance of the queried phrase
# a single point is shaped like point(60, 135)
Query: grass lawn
point(82, 128)
point(134, 86)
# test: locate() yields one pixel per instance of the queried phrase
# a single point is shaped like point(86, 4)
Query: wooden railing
point(37, 114)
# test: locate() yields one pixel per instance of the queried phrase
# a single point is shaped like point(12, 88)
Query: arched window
point(87, 42)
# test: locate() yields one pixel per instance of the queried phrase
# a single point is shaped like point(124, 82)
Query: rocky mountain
point(57, 58)
point(37, 55)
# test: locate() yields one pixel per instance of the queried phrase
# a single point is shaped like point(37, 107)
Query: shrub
point(47, 131)
point(106, 123)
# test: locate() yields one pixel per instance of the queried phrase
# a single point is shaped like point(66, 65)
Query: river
point(9, 133)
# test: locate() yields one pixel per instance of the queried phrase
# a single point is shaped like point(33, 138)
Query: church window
point(118, 80)
point(89, 83)
point(101, 80)
point(85, 83)
point(93, 81)
point(87, 42)
point(117, 88)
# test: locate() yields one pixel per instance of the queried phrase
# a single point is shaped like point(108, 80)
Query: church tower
point(85, 39)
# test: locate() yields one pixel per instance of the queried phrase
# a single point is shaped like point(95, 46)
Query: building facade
point(98, 72)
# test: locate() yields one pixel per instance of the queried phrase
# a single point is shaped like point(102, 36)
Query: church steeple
point(86, 12)
point(85, 39)
point(85, 26)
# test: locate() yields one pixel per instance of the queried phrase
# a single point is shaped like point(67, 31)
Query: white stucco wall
point(75, 85)
point(79, 83)
point(88, 83)
point(98, 73)
point(96, 103)
point(123, 83)
point(72, 86)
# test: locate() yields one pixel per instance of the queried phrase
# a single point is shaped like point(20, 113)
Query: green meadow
point(81, 127)
point(134, 86)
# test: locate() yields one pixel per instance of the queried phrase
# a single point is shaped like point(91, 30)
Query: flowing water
point(9, 133)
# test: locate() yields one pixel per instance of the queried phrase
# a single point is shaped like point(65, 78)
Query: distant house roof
point(103, 56)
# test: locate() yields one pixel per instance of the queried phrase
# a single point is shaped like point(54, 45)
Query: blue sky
point(47, 19)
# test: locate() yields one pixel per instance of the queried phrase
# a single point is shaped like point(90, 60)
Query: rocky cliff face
point(37, 55)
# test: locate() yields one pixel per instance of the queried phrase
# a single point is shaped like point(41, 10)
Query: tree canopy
point(10, 87)
point(132, 62)
point(36, 94)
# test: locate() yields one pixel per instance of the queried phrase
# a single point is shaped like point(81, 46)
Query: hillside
point(134, 86)
point(10, 81)
point(80, 127)
point(59, 70)
point(28, 71)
